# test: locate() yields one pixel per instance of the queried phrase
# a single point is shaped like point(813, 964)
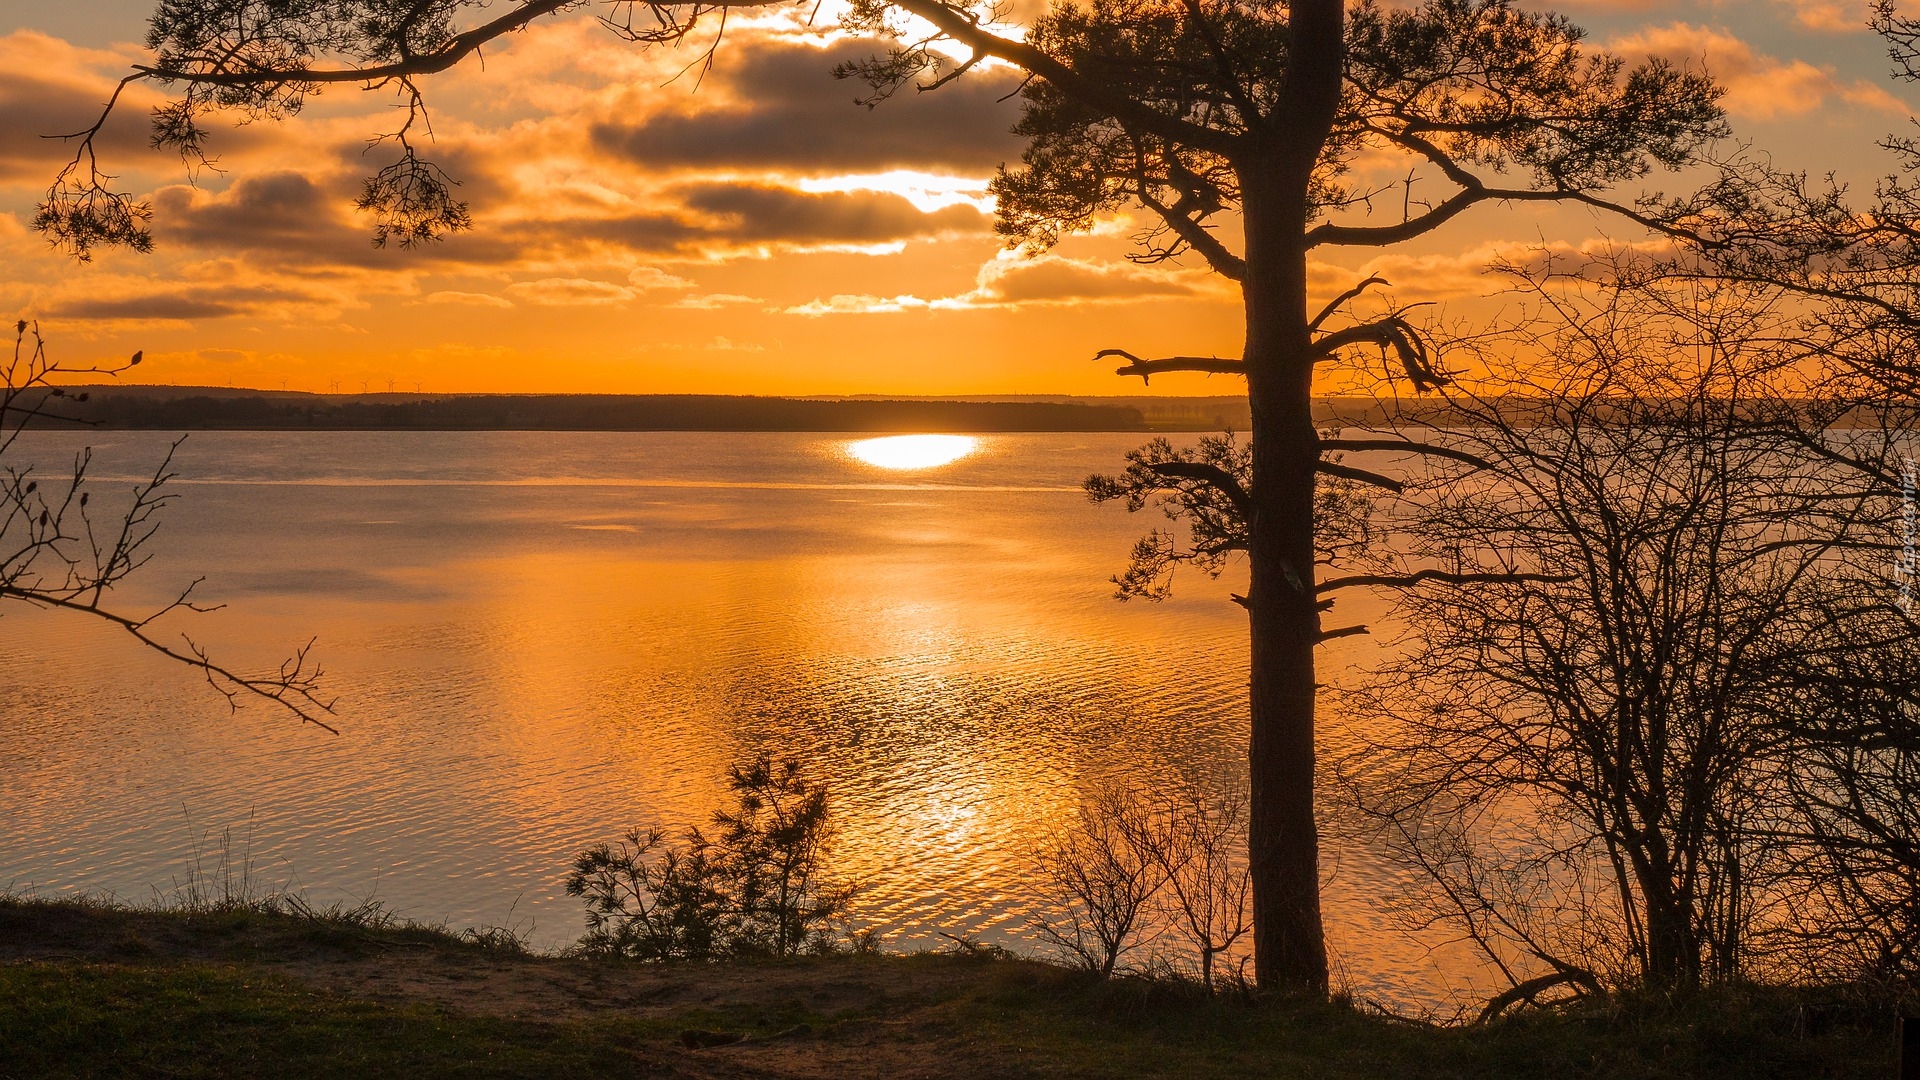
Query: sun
point(913, 451)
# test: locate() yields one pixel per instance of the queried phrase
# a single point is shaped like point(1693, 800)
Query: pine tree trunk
point(1290, 953)
point(1289, 947)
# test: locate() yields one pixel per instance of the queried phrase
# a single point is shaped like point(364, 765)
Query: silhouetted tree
point(1849, 266)
point(1197, 111)
point(1133, 866)
point(1850, 262)
point(1100, 875)
point(1207, 893)
point(56, 551)
point(649, 900)
point(1680, 672)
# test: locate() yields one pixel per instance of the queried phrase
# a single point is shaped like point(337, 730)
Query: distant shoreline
point(201, 408)
point(180, 408)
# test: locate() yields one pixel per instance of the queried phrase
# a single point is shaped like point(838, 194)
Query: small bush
point(759, 888)
point(649, 901)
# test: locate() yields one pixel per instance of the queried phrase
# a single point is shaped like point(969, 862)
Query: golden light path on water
point(905, 452)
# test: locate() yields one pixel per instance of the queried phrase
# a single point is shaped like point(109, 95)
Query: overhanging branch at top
point(964, 27)
point(428, 63)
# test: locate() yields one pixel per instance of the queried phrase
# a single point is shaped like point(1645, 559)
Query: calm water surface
point(540, 640)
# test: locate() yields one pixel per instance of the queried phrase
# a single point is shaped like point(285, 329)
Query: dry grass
point(90, 989)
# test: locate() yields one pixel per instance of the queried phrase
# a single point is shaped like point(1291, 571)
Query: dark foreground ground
point(88, 990)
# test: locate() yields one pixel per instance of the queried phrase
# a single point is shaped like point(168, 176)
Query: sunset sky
point(756, 233)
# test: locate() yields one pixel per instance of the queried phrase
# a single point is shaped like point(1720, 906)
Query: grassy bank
point(93, 990)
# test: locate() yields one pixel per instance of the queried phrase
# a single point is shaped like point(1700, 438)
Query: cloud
point(649, 278)
point(48, 87)
point(785, 112)
point(206, 301)
point(719, 220)
point(1466, 273)
point(1056, 280)
point(471, 299)
point(282, 220)
point(1010, 281)
point(1832, 16)
point(1758, 86)
point(588, 292)
point(290, 221)
point(749, 213)
point(304, 222)
point(858, 304)
point(572, 292)
point(714, 301)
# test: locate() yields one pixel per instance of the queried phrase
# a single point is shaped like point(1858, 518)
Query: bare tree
point(1100, 875)
point(1134, 866)
point(1197, 839)
point(1195, 111)
point(57, 552)
point(1850, 266)
point(1857, 837)
point(1677, 596)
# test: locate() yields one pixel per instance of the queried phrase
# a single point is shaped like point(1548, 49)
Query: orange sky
point(761, 234)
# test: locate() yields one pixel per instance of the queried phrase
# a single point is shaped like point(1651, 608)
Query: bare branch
point(964, 67)
point(294, 686)
point(56, 553)
point(1213, 365)
point(1406, 446)
point(1408, 581)
point(1332, 468)
point(1445, 211)
point(1390, 332)
point(1196, 236)
point(1335, 304)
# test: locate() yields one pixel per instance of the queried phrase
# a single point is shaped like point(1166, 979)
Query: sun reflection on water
point(905, 452)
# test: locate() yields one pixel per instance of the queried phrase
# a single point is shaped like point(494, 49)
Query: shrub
point(649, 901)
point(759, 888)
point(1133, 866)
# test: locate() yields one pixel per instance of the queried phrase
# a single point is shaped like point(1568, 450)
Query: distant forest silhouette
point(151, 408)
point(195, 408)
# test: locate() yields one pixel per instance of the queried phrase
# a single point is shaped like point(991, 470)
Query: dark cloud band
point(794, 117)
